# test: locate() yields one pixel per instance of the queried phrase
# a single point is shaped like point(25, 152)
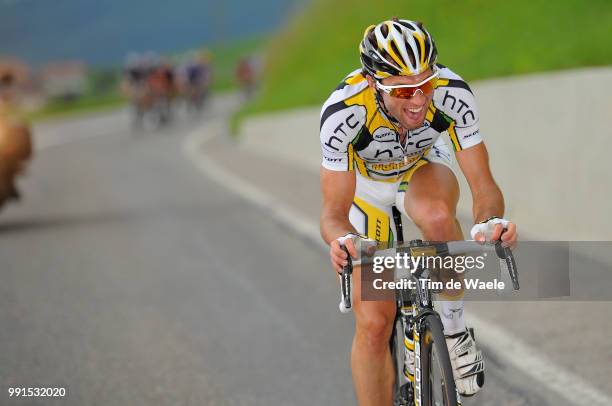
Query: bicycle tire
point(432, 341)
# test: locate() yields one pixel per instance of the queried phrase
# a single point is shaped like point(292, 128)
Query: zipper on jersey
point(403, 148)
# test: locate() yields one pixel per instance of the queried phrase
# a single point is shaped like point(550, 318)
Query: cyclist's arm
point(472, 154)
point(488, 200)
point(338, 189)
point(340, 125)
point(469, 147)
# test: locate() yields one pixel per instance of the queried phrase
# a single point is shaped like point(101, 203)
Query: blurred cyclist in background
point(195, 79)
point(246, 75)
point(134, 85)
point(162, 84)
point(150, 85)
point(15, 139)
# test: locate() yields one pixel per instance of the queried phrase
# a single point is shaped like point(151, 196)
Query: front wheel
point(437, 382)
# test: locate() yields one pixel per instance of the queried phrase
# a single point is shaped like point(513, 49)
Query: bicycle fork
point(412, 384)
point(406, 384)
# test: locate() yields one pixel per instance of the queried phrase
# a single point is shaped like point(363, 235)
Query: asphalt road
point(130, 278)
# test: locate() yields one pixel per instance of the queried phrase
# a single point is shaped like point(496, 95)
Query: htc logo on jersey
point(351, 122)
point(458, 105)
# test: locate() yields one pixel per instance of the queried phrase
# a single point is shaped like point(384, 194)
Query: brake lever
point(345, 283)
point(507, 258)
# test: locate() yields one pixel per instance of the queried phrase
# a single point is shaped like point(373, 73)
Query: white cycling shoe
point(467, 362)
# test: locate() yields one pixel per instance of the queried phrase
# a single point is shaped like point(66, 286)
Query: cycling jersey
point(356, 134)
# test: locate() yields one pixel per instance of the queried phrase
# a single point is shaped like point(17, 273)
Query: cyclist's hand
point(350, 241)
point(338, 255)
point(495, 229)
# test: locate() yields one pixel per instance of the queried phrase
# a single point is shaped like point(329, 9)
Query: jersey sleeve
point(340, 125)
point(456, 100)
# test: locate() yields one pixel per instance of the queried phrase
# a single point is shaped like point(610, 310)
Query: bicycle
point(417, 343)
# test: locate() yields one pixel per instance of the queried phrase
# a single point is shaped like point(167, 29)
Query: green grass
point(477, 39)
point(87, 104)
point(226, 57)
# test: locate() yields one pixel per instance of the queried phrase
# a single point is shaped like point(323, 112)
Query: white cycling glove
point(362, 242)
point(349, 236)
point(487, 227)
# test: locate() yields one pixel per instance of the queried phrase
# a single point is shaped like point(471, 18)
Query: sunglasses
point(425, 87)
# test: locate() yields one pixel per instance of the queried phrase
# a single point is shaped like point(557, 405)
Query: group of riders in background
point(154, 85)
point(158, 86)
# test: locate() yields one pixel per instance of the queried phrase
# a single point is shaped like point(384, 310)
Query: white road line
point(535, 365)
point(516, 353)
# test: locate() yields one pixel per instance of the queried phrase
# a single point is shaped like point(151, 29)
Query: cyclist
point(195, 79)
point(380, 139)
point(134, 85)
point(246, 75)
point(161, 83)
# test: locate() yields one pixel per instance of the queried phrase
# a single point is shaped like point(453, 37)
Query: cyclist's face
point(409, 112)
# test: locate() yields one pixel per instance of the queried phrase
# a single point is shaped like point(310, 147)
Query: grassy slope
point(226, 56)
point(87, 104)
point(476, 38)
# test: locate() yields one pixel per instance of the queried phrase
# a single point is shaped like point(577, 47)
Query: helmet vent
point(427, 48)
point(372, 38)
point(385, 30)
point(394, 48)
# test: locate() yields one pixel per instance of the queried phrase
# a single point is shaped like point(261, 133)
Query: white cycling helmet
point(397, 47)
